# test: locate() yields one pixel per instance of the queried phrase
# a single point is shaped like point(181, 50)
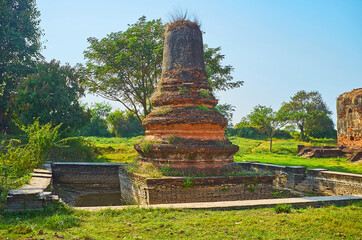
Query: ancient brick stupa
point(349, 119)
point(184, 130)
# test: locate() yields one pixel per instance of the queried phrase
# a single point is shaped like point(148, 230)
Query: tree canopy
point(51, 94)
point(307, 111)
point(268, 120)
point(19, 49)
point(126, 66)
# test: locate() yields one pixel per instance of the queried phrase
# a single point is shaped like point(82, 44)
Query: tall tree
point(268, 120)
point(52, 95)
point(98, 125)
point(125, 124)
point(19, 49)
point(126, 66)
point(306, 110)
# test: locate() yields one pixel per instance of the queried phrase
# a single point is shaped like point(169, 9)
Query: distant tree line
point(303, 117)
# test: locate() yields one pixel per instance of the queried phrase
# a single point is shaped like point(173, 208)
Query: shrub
point(173, 139)
point(145, 146)
point(204, 93)
point(183, 90)
point(283, 208)
point(203, 108)
point(188, 182)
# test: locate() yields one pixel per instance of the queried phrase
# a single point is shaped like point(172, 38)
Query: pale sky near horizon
point(276, 47)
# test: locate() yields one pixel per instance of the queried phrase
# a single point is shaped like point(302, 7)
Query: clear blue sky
point(276, 47)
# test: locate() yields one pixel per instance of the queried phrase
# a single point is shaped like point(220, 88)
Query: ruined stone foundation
point(349, 119)
point(184, 130)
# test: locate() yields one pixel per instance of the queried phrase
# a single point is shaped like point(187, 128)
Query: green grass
point(116, 149)
point(283, 152)
point(135, 223)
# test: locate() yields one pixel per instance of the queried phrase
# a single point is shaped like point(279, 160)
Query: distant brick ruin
point(349, 119)
point(184, 130)
point(349, 130)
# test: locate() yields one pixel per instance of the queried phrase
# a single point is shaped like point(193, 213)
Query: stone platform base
point(142, 190)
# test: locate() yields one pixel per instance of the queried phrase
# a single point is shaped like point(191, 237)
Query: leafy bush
point(283, 208)
point(18, 158)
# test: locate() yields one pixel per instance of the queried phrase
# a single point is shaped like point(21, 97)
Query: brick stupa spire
point(184, 130)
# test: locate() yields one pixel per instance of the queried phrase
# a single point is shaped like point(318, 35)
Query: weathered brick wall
point(285, 176)
point(85, 176)
point(349, 119)
point(136, 189)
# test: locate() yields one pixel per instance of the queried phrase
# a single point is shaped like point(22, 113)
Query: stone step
point(41, 175)
point(44, 171)
point(247, 204)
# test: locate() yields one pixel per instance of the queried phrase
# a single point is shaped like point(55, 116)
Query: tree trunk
point(302, 132)
point(271, 143)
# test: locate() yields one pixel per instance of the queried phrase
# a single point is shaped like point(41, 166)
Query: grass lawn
point(311, 223)
point(283, 153)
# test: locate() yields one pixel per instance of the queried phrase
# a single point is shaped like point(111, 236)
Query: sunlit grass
point(134, 223)
point(283, 152)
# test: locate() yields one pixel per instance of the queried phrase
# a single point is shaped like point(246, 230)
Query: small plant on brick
point(283, 208)
point(183, 90)
point(224, 189)
point(203, 108)
point(173, 139)
point(188, 182)
point(162, 110)
point(145, 146)
point(218, 111)
point(204, 93)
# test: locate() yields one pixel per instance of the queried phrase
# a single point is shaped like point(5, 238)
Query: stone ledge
point(246, 204)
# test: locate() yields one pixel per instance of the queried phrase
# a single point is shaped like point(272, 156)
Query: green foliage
point(52, 95)
point(283, 208)
point(203, 108)
point(227, 111)
point(125, 124)
point(146, 146)
point(308, 112)
point(98, 124)
point(266, 119)
point(219, 76)
point(20, 47)
point(188, 182)
point(125, 66)
point(18, 159)
point(204, 93)
point(184, 90)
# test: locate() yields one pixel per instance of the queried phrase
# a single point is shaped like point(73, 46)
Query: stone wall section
point(86, 176)
point(329, 183)
point(318, 181)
